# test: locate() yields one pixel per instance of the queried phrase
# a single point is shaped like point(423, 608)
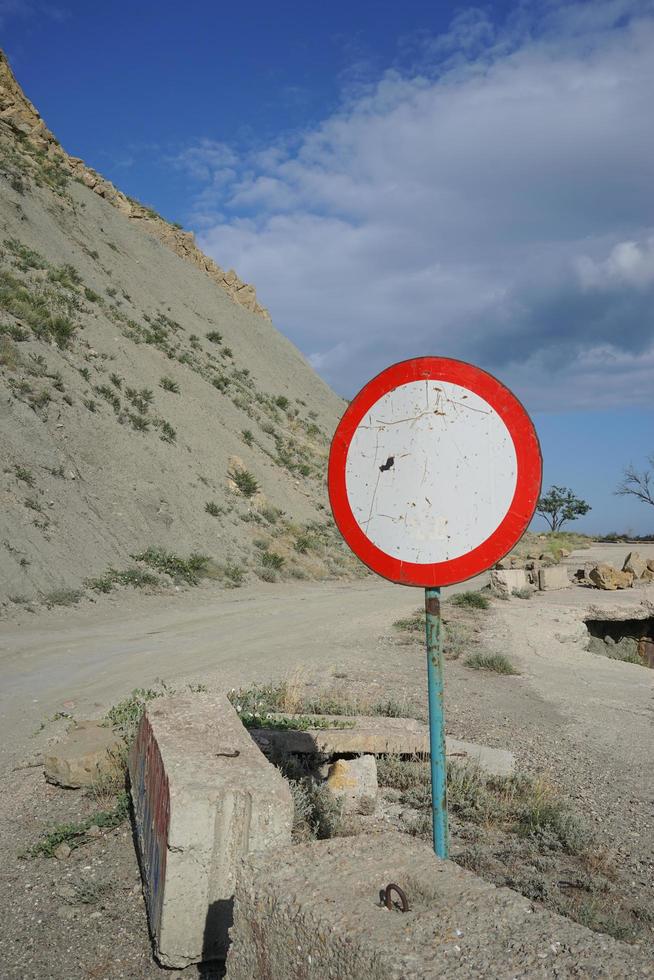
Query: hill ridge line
point(25, 121)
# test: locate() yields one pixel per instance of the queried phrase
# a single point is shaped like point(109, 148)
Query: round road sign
point(434, 472)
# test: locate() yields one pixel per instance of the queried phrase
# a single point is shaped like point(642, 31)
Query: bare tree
point(641, 485)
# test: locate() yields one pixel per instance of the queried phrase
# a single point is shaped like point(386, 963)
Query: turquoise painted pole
point(435, 690)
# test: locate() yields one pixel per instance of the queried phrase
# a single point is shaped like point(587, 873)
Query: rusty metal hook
point(385, 897)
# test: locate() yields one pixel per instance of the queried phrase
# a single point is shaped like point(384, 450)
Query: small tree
point(560, 505)
point(641, 485)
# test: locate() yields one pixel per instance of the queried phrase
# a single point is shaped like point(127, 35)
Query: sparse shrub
point(168, 434)
point(91, 404)
point(211, 507)
point(471, 600)
point(304, 469)
point(228, 352)
point(247, 436)
point(91, 295)
point(141, 399)
point(496, 662)
point(33, 504)
point(169, 385)
point(26, 258)
point(25, 475)
point(86, 374)
point(267, 574)
point(56, 471)
point(234, 574)
point(412, 624)
point(66, 276)
point(62, 597)
point(268, 428)
point(524, 593)
point(281, 401)
point(75, 834)
point(139, 423)
point(271, 514)
point(270, 559)
point(214, 336)
point(245, 481)
point(189, 570)
point(110, 395)
point(220, 382)
point(116, 380)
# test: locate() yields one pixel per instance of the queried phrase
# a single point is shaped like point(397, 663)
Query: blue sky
point(399, 180)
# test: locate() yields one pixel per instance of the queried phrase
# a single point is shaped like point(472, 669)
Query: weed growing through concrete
point(495, 662)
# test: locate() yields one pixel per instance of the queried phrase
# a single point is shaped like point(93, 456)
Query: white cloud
point(490, 204)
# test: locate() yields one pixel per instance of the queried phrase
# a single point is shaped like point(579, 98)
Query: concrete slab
point(204, 796)
point(376, 735)
point(554, 577)
point(87, 752)
point(506, 580)
point(314, 912)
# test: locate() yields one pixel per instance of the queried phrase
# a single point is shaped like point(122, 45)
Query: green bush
point(471, 600)
point(496, 662)
point(169, 385)
point(245, 481)
point(189, 570)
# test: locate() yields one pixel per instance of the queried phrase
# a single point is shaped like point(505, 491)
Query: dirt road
point(95, 655)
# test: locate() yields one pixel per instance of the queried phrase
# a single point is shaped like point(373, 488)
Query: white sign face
point(430, 472)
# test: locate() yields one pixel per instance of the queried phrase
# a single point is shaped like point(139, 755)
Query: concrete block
point(204, 796)
point(354, 782)
point(505, 580)
point(88, 752)
point(554, 577)
point(314, 913)
point(377, 736)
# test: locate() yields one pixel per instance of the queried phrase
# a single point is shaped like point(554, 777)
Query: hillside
point(143, 404)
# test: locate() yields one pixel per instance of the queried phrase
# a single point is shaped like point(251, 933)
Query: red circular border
point(528, 483)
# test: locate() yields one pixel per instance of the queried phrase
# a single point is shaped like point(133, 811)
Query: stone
point(606, 577)
point(564, 552)
point(635, 564)
point(650, 564)
point(204, 796)
point(354, 782)
point(648, 576)
point(554, 577)
point(88, 752)
point(94, 831)
point(62, 851)
point(314, 911)
point(376, 735)
point(506, 580)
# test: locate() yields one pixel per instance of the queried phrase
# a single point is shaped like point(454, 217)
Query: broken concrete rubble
point(354, 782)
point(203, 796)
point(506, 580)
point(315, 911)
point(90, 751)
point(376, 735)
point(554, 577)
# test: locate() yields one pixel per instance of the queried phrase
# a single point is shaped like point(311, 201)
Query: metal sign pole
point(435, 686)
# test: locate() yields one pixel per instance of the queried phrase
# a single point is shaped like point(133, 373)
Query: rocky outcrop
point(22, 118)
point(606, 577)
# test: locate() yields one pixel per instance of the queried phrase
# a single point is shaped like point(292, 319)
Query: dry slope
point(130, 379)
